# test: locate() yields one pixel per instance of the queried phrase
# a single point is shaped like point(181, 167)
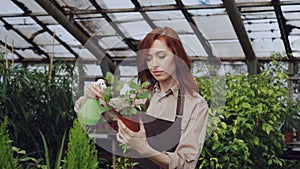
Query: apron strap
point(180, 103)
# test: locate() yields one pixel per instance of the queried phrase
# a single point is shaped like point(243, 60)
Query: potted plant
point(297, 127)
point(290, 123)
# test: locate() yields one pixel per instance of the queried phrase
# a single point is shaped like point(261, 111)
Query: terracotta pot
point(298, 135)
point(288, 137)
point(132, 124)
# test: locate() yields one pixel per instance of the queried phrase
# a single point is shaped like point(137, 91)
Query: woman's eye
point(148, 58)
point(162, 56)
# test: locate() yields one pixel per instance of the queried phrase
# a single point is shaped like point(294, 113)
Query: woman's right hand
point(93, 90)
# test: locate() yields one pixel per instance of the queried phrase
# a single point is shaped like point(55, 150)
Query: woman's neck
point(166, 85)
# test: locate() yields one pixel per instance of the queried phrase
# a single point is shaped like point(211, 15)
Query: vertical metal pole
point(113, 147)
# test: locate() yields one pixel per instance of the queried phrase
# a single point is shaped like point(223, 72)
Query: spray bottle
point(89, 114)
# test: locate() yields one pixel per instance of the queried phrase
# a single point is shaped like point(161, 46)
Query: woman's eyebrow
point(160, 51)
point(157, 52)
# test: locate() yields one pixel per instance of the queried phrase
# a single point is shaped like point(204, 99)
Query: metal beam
point(177, 7)
point(82, 37)
point(240, 30)
point(153, 8)
point(45, 28)
point(143, 13)
point(35, 48)
point(132, 61)
point(284, 36)
point(198, 33)
point(282, 27)
point(114, 26)
point(11, 49)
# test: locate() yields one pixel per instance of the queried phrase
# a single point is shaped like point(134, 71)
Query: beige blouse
point(193, 125)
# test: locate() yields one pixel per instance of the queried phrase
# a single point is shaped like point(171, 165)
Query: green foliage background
point(245, 133)
point(34, 101)
point(248, 132)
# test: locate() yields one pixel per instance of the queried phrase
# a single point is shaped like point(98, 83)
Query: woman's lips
point(157, 73)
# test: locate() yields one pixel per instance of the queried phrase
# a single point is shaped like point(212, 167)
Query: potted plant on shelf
point(288, 126)
point(291, 123)
point(297, 127)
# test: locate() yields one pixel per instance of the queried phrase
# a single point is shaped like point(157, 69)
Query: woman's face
point(161, 61)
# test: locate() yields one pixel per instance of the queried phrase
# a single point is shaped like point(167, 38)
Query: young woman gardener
point(172, 131)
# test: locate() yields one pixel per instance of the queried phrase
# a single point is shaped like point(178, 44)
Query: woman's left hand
point(135, 140)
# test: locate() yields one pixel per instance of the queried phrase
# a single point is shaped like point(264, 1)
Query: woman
point(172, 131)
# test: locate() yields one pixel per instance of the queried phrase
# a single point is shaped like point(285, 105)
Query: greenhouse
point(244, 58)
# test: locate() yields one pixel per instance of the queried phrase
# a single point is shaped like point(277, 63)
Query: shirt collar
point(173, 90)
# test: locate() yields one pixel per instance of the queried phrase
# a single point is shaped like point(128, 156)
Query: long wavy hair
point(182, 61)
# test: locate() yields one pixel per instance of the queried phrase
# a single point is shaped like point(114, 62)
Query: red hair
point(182, 61)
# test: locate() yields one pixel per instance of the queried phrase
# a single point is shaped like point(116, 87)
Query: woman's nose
point(154, 62)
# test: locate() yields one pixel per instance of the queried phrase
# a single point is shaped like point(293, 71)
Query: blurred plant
point(82, 152)
point(124, 163)
point(7, 159)
point(34, 103)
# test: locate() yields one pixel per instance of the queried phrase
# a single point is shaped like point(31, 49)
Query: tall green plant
point(7, 159)
point(59, 153)
point(82, 152)
point(33, 103)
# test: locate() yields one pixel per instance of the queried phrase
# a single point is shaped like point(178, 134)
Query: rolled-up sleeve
point(192, 138)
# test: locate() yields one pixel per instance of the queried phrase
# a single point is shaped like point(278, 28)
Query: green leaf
point(27, 159)
point(234, 130)
point(46, 150)
point(133, 85)
point(270, 162)
point(16, 149)
point(133, 111)
point(120, 85)
point(60, 152)
point(109, 77)
point(144, 95)
point(256, 141)
point(267, 128)
point(105, 109)
point(22, 152)
point(224, 125)
point(145, 84)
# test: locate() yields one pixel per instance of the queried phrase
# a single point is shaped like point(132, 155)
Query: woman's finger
point(93, 90)
point(142, 127)
point(126, 130)
point(119, 138)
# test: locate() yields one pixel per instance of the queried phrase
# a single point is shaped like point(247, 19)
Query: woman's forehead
point(157, 46)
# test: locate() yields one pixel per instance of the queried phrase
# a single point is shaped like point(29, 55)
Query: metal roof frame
point(66, 19)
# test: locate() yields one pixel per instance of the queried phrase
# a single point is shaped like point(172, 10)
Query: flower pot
point(288, 137)
point(298, 135)
point(132, 124)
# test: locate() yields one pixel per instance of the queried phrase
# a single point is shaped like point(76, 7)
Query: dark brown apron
point(161, 135)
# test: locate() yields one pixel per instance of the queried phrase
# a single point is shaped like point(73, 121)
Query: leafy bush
point(82, 152)
point(248, 133)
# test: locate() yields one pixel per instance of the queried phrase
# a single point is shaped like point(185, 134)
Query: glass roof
point(117, 26)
